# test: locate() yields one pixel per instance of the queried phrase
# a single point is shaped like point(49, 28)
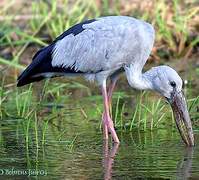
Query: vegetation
point(24, 30)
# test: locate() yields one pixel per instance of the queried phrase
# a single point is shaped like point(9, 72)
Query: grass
point(33, 126)
point(175, 35)
point(148, 113)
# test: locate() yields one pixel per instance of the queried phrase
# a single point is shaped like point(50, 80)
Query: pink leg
point(111, 88)
point(110, 92)
point(105, 127)
point(107, 121)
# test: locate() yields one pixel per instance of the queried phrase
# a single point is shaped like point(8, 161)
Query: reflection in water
point(108, 159)
point(184, 166)
point(141, 155)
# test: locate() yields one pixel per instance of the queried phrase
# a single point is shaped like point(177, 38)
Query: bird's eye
point(173, 84)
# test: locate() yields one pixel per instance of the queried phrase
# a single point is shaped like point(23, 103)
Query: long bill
point(181, 115)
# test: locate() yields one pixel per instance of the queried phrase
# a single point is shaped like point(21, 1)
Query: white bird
point(100, 49)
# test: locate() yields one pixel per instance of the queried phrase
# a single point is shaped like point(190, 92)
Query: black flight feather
point(41, 63)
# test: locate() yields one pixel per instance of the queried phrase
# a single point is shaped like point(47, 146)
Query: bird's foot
point(113, 132)
point(105, 127)
point(109, 127)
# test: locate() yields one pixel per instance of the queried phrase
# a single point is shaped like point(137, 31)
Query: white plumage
point(105, 45)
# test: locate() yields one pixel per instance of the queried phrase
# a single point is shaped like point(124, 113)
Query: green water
point(141, 155)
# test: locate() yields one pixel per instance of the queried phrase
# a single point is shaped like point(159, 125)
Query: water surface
point(157, 154)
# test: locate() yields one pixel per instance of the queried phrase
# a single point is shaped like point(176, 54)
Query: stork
point(102, 48)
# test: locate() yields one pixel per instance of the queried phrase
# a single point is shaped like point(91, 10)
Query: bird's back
point(102, 44)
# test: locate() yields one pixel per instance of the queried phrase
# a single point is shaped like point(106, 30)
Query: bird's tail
point(41, 63)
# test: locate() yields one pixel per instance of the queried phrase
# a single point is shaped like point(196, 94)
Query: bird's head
point(168, 83)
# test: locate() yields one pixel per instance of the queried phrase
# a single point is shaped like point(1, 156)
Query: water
point(157, 154)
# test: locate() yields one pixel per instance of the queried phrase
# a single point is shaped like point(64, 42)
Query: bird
point(100, 50)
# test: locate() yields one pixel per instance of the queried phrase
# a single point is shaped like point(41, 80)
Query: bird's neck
point(137, 79)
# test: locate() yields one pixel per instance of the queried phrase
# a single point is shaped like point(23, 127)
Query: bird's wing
point(102, 44)
point(41, 65)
